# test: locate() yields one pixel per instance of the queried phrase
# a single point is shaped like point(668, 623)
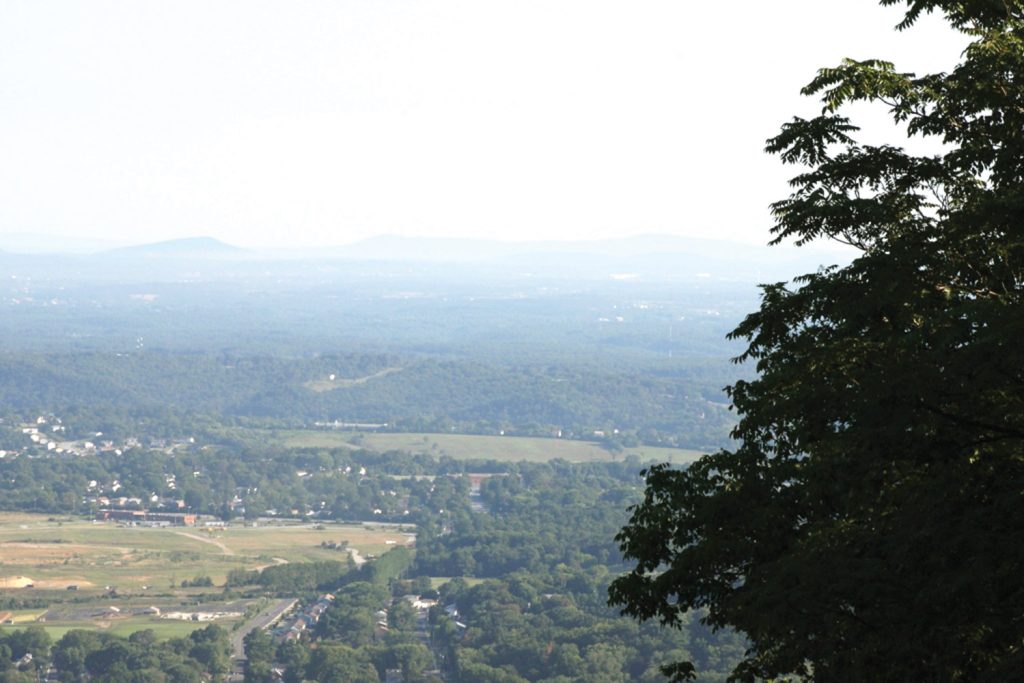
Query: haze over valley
point(293, 437)
point(533, 339)
point(349, 341)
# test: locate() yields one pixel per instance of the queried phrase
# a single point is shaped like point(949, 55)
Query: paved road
point(265, 618)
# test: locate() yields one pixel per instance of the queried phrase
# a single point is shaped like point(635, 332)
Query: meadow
point(108, 565)
point(54, 553)
point(162, 628)
point(473, 446)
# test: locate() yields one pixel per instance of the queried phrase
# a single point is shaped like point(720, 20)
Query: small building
point(144, 517)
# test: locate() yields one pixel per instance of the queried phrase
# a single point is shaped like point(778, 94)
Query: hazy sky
point(307, 123)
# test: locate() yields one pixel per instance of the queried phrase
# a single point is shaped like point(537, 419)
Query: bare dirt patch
point(64, 582)
point(16, 582)
point(25, 554)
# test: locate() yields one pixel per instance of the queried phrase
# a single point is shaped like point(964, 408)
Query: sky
point(297, 123)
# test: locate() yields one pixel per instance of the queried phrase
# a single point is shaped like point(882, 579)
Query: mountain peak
point(186, 246)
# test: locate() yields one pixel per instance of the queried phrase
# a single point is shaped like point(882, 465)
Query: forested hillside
point(181, 341)
point(657, 403)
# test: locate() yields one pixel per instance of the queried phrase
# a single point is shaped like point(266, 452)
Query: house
point(419, 603)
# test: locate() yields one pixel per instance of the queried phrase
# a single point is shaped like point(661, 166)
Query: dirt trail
point(323, 385)
point(276, 561)
point(212, 541)
point(363, 380)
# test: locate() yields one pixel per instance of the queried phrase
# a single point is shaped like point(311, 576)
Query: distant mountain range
point(394, 247)
point(656, 256)
point(646, 254)
point(31, 243)
point(188, 247)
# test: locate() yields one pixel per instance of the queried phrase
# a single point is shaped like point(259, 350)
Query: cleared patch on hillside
point(332, 382)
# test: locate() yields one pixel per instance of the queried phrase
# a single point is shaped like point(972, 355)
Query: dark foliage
point(868, 524)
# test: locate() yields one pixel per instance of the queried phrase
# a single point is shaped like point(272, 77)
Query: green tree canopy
point(869, 525)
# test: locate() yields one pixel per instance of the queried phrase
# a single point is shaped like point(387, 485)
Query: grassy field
point(120, 614)
point(54, 554)
point(147, 566)
point(471, 446)
point(438, 581)
point(163, 628)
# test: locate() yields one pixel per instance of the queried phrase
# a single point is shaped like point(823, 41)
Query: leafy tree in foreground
point(870, 523)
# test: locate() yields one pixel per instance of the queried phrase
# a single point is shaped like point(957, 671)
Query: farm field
point(147, 566)
point(53, 553)
point(472, 446)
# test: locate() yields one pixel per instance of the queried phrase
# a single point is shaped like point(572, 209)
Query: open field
point(146, 564)
point(678, 456)
point(472, 446)
point(55, 554)
point(123, 615)
point(438, 581)
point(163, 628)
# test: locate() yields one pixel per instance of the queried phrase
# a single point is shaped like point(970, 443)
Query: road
point(212, 541)
point(265, 618)
point(276, 561)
